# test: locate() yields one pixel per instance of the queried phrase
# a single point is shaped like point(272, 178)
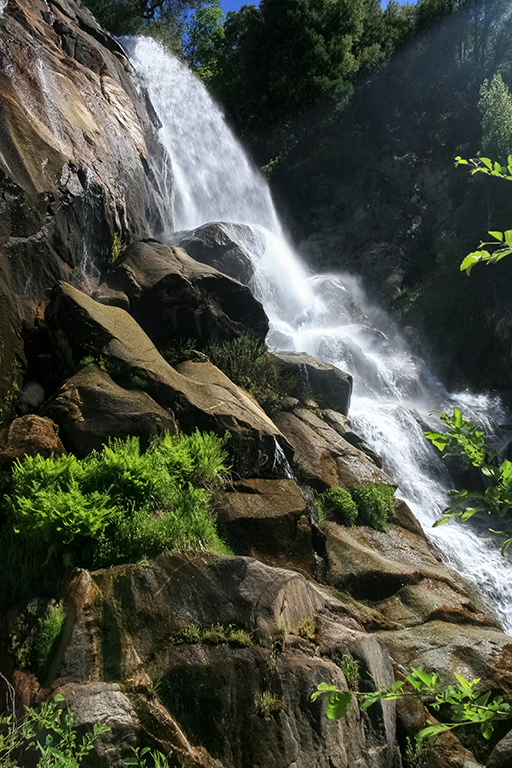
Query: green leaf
point(497, 235)
point(431, 733)
point(338, 704)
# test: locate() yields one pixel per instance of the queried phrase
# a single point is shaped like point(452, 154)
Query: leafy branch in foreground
point(501, 241)
point(467, 705)
point(51, 731)
point(466, 439)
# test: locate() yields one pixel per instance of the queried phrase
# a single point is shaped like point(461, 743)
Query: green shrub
point(337, 504)
point(115, 506)
point(48, 638)
point(375, 504)
point(247, 362)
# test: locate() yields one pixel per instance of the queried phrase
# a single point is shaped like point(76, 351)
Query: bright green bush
point(118, 505)
point(375, 504)
point(337, 504)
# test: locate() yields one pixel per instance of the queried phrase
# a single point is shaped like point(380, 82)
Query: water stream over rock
point(328, 316)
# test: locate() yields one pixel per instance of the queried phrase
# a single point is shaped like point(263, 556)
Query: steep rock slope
point(76, 142)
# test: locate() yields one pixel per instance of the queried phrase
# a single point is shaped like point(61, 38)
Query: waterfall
point(327, 316)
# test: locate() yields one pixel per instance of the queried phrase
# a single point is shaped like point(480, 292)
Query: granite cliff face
point(180, 652)
point(78, 150)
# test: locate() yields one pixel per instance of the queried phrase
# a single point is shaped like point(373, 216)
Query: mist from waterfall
point(327, 316)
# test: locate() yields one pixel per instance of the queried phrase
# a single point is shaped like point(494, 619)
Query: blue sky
point(235, 5)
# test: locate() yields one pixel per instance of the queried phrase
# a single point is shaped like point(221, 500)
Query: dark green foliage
point(337, 504)
point(48, 638)
point(375, 504)
point(116, 506)
point(246, 361)
point(163, 19)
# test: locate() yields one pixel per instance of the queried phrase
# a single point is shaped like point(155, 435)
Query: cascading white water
point(327, 316)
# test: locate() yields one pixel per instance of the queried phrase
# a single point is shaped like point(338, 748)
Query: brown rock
point(322, 457)
point(212, 692)
point(342, 426)
point(398, 575)
point(213, 244)
point(28, 436)
point(199, 394)
point(174, 297)
point(268, 520)
point(329, 385)
point(90, 408)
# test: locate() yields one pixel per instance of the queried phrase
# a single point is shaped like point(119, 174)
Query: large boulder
point(330, 386)
point(322, 457)
point(104, 703)
point(174, 297)
point(219, 246)
point(90, 408)
point(399, 576)
point(135, 619)
point(79, 159)
point(200, 396)
point(269, 520)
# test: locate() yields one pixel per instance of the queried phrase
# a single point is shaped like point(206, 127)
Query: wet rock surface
point(75, 146)
point(218, 245)
point(174, 297)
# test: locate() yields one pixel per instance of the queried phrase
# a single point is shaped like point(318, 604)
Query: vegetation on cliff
point(115, 506)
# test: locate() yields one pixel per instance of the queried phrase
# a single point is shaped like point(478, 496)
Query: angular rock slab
point(130, 616)
point(79, 159)
point(398, 575)
point(104, 703)
point(322, 457)
point(90, 408)
point(330, 386)
point(217, 245)
point(173, 297)
point(268, 520)
point(200, 395)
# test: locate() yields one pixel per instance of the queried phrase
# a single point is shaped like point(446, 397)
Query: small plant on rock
point(337, 504)
point(375, 504)
point(350, 668)
point(48, 736)
point(247, 362)
point(268, 704)
point(49, 637)
point(307, 629)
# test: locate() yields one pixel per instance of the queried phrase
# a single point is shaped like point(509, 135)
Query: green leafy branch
point(466, 439)
point(51, 731)
point(502, 241)
point(468, 706)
